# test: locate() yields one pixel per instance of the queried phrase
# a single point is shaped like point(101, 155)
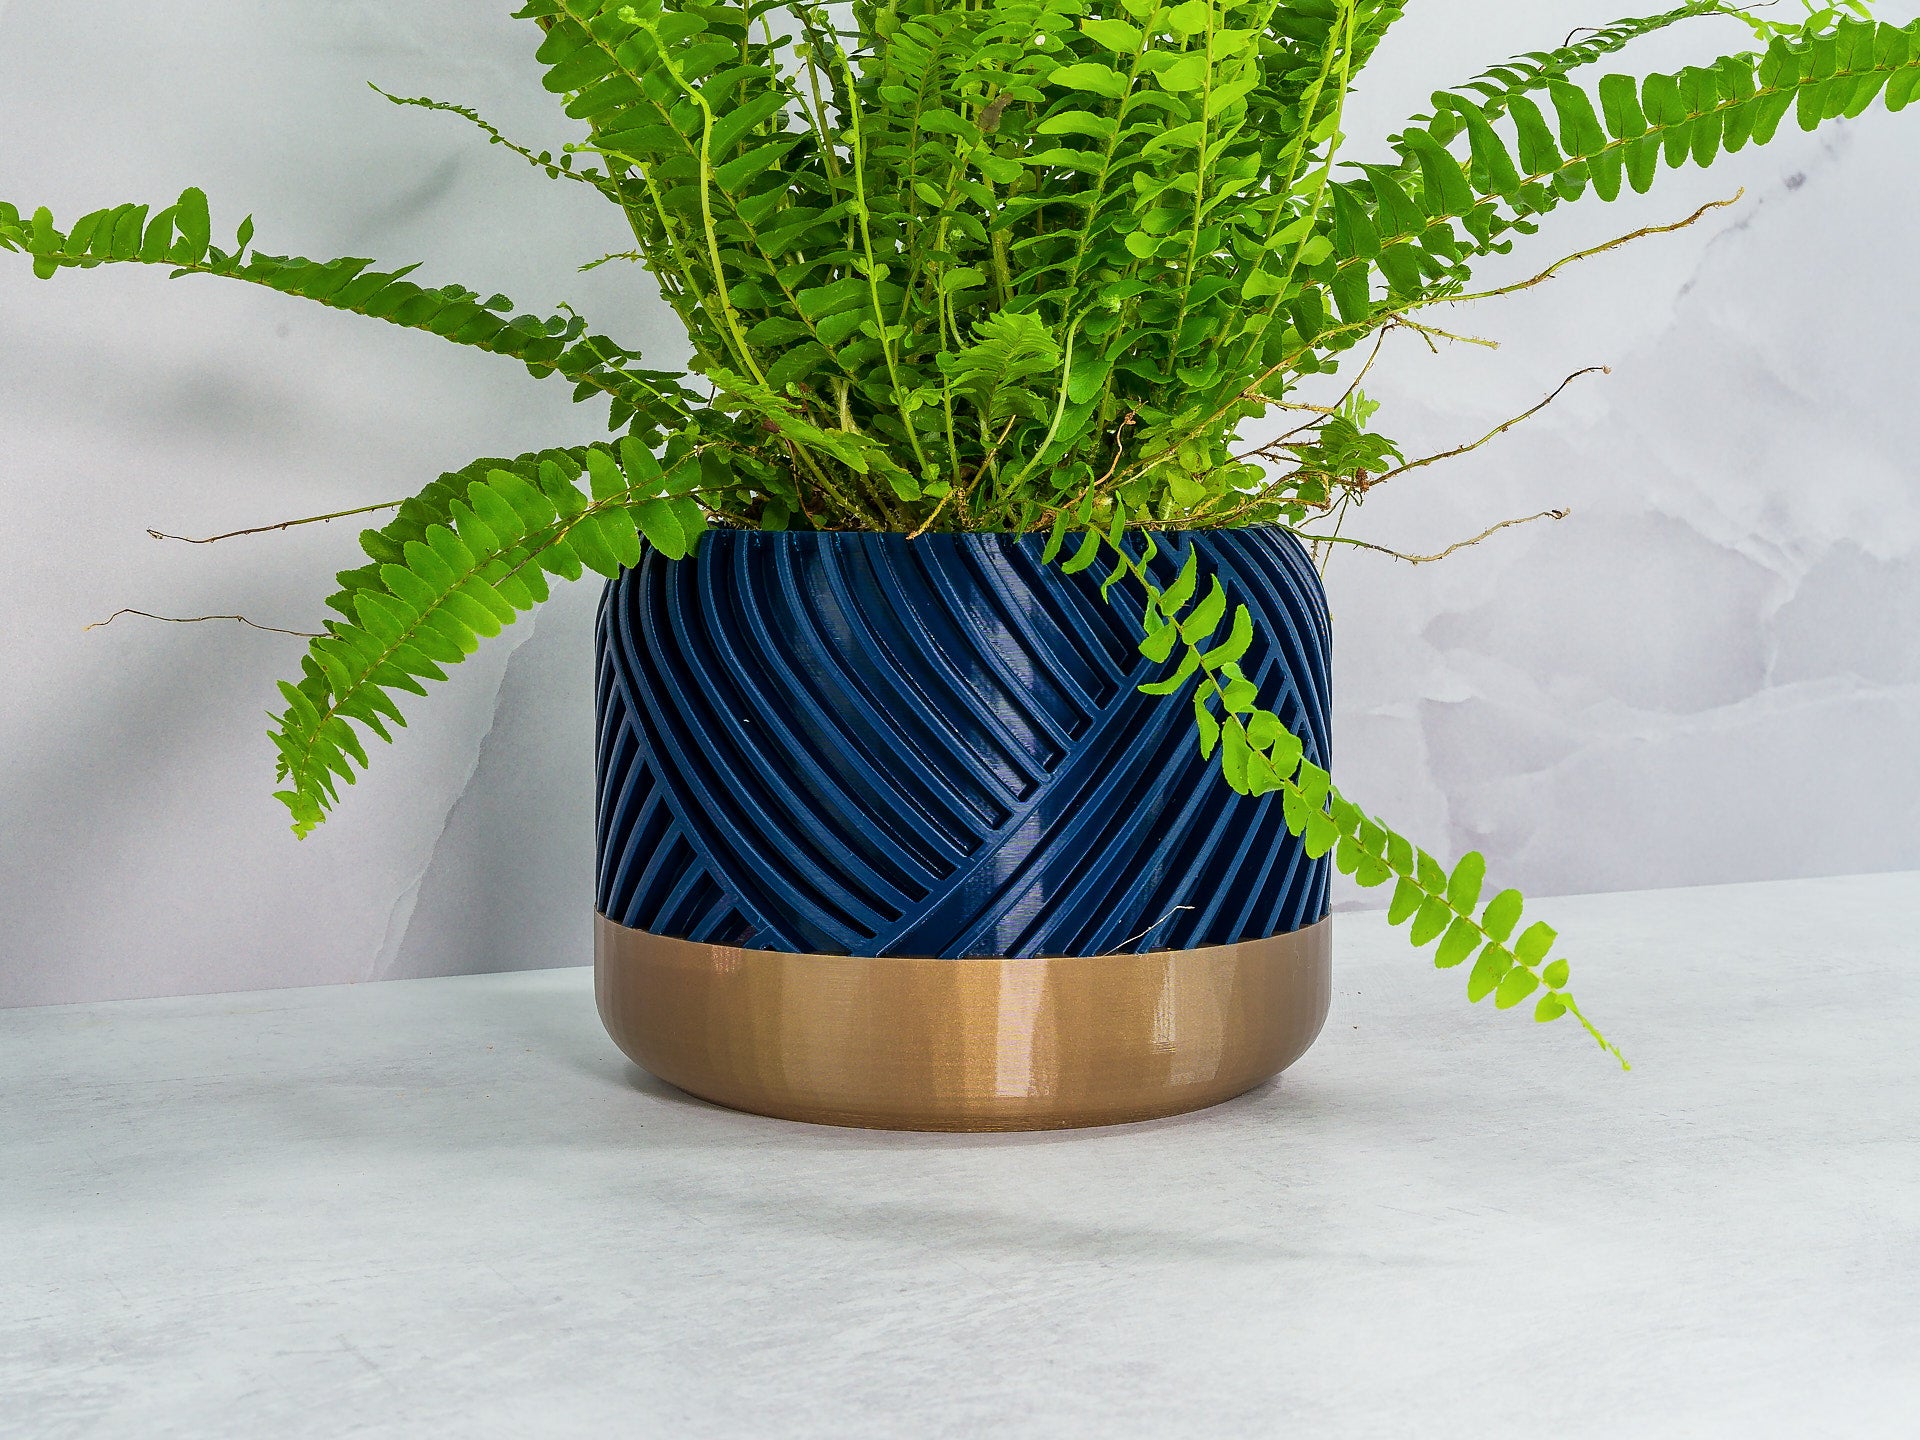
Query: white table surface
point(449, 1207)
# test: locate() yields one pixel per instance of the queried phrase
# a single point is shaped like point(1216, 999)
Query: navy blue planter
point(868, 745)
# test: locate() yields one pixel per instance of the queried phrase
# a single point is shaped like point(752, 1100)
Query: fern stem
point(743, 351)
point(1053, 429)
point(873, 279)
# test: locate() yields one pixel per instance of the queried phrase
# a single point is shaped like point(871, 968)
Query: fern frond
point(460, 561)
point(1008, 347)
point(1518, 166)
point(1259, 755)
point(178, 238)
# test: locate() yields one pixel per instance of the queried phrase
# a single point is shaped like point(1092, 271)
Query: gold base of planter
point(894, 1043)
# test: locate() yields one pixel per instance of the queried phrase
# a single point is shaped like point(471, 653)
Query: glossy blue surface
point(861, 744)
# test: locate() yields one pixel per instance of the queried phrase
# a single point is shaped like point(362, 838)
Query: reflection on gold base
point(894, 1043)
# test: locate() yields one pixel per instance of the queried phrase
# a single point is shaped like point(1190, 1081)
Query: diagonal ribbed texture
point(860, 744)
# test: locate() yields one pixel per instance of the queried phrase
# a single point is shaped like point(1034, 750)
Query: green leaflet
point(178, 237)
point(1502, 911)
point(1091, 77)
point(455, 565)
point(1206, 616)
point(1463, 886)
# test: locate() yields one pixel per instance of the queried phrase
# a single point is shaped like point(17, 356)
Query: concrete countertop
point(447, 1207)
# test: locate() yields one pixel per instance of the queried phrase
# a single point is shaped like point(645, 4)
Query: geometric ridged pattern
point(854, 743)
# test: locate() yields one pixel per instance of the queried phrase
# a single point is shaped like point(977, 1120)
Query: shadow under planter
point(888, 835)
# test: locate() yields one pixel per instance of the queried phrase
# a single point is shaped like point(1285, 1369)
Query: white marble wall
point(1709, 672)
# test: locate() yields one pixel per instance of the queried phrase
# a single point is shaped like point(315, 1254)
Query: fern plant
point(1016, 267)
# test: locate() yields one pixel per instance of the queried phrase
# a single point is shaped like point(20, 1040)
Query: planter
point(888, 837)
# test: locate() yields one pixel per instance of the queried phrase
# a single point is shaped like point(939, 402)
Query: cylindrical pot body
point(888, 835)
